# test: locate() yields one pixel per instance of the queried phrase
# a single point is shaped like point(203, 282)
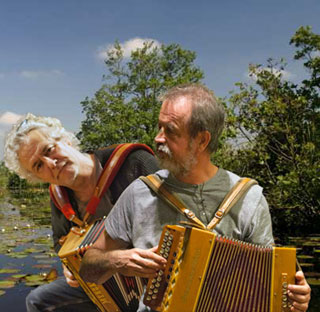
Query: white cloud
point(30, 74)
point(285, 75)
point(2, 75)
point(127, 47)
point(9, 118)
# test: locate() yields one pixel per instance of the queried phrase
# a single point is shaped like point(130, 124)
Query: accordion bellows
point(206, 272)
point(118, 294)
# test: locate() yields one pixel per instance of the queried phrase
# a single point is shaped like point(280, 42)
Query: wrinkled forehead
point(33, 144)
point(177, 109)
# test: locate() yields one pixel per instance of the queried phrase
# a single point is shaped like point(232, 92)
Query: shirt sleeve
point(118, 224)
point(260, 229)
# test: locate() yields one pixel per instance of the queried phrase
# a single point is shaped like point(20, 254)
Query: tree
point(278, 123)
point(126, 107)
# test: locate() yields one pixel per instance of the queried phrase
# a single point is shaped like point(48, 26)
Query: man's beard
point(177, 168)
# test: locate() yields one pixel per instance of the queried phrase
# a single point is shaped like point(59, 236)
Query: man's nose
point(51, 163)
point(160, 138)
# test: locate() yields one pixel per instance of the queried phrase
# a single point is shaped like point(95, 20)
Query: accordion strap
point(236, 192)
point(232, 197)
point(157, 185)
point(59, 194)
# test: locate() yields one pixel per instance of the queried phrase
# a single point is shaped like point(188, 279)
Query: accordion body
point(206, 272)
point(119, 293)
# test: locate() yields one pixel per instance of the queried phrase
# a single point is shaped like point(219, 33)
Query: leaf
point(51, 276)
point(9, 270)
point(7, 284)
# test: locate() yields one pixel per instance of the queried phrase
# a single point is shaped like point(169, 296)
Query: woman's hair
point(50, 127)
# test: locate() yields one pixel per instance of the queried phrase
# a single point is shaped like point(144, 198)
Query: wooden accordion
point(206, 272)
point(119, 293)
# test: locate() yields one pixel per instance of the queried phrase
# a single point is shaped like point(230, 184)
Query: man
point(40, 149)
point(190, 123)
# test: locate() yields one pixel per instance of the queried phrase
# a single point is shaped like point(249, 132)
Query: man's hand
point(137, 262)
point(69, 277)
point(300, 293)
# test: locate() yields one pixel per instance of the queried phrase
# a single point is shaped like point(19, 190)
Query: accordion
point(119, 293)
point(206, 272)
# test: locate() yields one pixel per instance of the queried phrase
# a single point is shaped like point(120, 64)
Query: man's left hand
point(300, 293)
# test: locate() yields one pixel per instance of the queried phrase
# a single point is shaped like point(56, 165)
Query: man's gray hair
point(50, 127)
point(207, 113)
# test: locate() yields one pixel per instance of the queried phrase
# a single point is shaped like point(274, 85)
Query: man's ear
point(204, 138)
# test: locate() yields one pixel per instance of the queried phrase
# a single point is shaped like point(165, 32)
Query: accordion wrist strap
point(236, 192)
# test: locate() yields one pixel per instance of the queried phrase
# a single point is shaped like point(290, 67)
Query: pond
point(27, 258)
point(26, 255)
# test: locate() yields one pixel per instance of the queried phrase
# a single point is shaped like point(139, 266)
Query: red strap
point(60, 197)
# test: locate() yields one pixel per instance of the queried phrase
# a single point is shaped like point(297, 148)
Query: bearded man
point(190, 123)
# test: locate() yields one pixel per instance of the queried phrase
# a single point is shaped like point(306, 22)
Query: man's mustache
point(164, 149)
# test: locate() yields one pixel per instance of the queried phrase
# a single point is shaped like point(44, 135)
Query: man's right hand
point(137, 262)
point(71, 281)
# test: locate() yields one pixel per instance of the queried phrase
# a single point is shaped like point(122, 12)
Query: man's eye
point(50, 149)
point(38, 166)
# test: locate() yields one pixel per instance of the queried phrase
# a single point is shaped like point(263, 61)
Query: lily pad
point(313, 281)
point(7, 284)
point(9, 271)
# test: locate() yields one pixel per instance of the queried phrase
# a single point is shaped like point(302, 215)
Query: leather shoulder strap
point(232, 197)
point(60, 197)
point(157, 185)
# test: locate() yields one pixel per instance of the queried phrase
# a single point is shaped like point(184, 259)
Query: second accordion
point(119, 293)
point(206, 273)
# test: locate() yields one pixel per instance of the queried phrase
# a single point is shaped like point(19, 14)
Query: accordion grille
point(237, 278)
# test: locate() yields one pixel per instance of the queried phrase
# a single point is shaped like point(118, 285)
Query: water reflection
point(26, 253)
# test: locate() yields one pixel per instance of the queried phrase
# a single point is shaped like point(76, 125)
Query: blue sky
point(49, 50)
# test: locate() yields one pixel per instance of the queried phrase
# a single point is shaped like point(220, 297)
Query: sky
point(51, 52)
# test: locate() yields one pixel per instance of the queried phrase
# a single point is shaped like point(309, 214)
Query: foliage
point(126, 107)
point(277, 124)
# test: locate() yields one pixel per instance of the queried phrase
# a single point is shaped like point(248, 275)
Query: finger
point(154, 249)
point(299, 307)
point(72, 283)
point(148, 254)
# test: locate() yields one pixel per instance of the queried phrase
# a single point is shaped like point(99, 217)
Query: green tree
point(277, 126)
point(126, 107)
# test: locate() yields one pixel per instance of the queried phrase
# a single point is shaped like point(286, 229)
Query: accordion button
point(148, 298)
point(159, 278)
point(154, 280)
point(150, 292)
point(157, 285)
point(160, 273)
point(167, 249)
point(156, 291)
point(154, 297)
point(166, 255)
point(151, 286)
